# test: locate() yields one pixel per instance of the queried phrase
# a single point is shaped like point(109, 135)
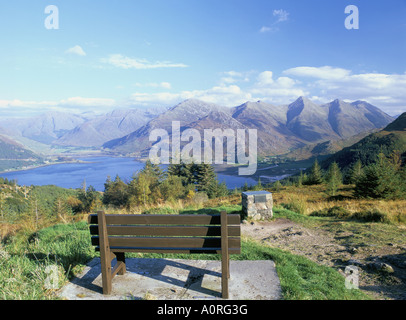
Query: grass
point(29, 260)
point(25, 258)
point(302, 279)
point(313, 200)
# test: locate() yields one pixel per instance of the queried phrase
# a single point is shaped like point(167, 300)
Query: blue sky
point(109, 54)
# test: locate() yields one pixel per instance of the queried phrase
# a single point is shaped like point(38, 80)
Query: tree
point(74, 203)
point(115, 192)
point(315, 175)
point(302, 179)
point(2, 204)
point(172, 188)
point(222, 189)
point(89, 199)
point(141, 188)
point(206, 178)
point(355, 172)
point(174, 169)
point(334, 178)
point(259, 185)
point(383, 179)
point(277, 185)
point(153, 170)
point(61, 209)
point(187, 171)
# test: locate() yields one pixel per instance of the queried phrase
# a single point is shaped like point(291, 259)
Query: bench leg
point(225, 259)
point(105, 253)
point(106, 272)
point(225, 275)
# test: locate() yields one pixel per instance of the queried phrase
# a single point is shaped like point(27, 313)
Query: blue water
point(95, 172)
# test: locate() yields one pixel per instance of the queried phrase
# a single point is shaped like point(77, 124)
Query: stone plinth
point(257, 204)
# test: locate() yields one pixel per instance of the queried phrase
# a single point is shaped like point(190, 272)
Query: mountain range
point(44, 128)
point(281, 129)
point(97, 131)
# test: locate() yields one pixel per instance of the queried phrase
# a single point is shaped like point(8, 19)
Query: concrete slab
point(173, 279)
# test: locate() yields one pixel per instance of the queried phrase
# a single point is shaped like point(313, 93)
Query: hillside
point(14, 155)
point(308, 121)
point(326, 148)
point(274, 136)
point(391, 138)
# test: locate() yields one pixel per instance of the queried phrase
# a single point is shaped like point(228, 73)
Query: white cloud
point(234, 73)
point(386, 91)
point(164, 85)
point(20, 103)
point(265, 29)
point(281, 14)
point(231, 77)
point(124, 62)
point(21, 108)
point(160, 98)
point(231, 95)
point(277, 91)
point(77, 50)
point(265, 87)
point(325, 72)
point(265, 78)
point(87, 102)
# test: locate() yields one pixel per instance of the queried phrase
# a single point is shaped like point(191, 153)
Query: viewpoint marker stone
point(257, 204)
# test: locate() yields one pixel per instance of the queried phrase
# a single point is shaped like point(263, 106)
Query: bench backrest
point(167, 233)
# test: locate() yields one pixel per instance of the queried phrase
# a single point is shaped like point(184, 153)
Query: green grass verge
point(301, 278)
point(27, 261)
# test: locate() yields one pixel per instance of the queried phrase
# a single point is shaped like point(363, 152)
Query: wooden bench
point(115, 234)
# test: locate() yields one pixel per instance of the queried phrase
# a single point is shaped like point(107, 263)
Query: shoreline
point(41, 166)
point(74, 160)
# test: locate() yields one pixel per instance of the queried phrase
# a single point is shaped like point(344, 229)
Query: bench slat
point(236, 250)
point(165, 242)
point(165, 219)
point(190, 231)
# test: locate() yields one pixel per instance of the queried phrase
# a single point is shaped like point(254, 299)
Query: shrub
point(371, 215)
point(381, 180)
point(333, 178)
point(297, 205)
point(335, 211)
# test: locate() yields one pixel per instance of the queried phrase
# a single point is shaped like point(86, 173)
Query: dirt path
point(382, 270)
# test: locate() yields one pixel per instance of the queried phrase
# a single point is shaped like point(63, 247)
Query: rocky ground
point(381, 267)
